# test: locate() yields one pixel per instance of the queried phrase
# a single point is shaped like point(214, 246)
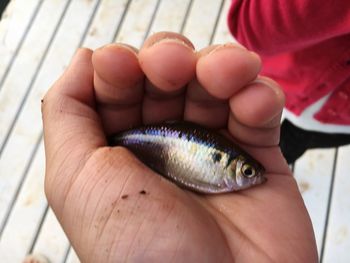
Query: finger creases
point(118, 81)
point(256, 113)
point(259, 104)
point(118, 76)
point(260, 137)
point(203, 108)
point(168, 60)
point(69, 116)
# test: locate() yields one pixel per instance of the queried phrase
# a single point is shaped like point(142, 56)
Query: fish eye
point(248, 170)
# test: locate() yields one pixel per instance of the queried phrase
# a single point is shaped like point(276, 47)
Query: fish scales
point(192, 156)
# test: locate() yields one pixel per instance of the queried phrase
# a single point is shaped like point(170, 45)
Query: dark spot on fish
point(180, 135)
point(230, 159)
point(143, 132)
point(188, 136)
point(125, 196)
point(217, 157)
point(143, 192)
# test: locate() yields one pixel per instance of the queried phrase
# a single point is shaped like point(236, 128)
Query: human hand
point(114, 209)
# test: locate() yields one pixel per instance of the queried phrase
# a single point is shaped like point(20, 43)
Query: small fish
point(192, 156)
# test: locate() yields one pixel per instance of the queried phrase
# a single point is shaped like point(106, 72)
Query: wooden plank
point(27, 129)
point(18, 80)
point(72, 257)
point(338, 233)
point(27, 213)
point(202, 21)
point(15, 22)
point(313, 172)
point(170, 16)
point(137, 22)
point(52, 241)
point(222, 34)
point(105, 24)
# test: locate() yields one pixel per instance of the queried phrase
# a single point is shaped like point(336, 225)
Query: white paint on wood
point(14, 22)
point(170, 16)
point(19, 77)
point(26, 214)
point(201, 23)
point(72, 257)
point(313, 172)
point(52, 241)
point(337, 244)
point(28, 127)
point(222, 34)
point(105, 23)
point(137, 22)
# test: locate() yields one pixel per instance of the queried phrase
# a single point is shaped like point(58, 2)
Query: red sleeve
point(275, 26)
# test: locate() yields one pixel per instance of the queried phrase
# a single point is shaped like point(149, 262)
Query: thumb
point(72, 128)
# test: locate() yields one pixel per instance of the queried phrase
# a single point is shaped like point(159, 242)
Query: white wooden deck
point(37, 40)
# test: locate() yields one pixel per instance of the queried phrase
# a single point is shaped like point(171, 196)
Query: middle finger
point(169, 62)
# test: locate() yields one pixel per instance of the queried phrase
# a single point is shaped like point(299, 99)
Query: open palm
point(115, 209)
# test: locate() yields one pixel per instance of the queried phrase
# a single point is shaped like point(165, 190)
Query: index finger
point(72, 128)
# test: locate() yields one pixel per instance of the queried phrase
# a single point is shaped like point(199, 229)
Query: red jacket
point(305, 46)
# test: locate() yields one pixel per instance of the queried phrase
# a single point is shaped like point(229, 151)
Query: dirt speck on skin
point(125, 196)
point(143, 192)
point(304, 186)
point(42, 100)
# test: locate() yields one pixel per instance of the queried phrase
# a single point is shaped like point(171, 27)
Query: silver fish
point(192, 156)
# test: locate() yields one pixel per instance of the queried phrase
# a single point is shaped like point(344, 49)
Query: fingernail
point(269, 83)
point(118, 46)
point(227, 46)
point(255, 55)
point(79, 55)
point(176, 41)
point(75, 56)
